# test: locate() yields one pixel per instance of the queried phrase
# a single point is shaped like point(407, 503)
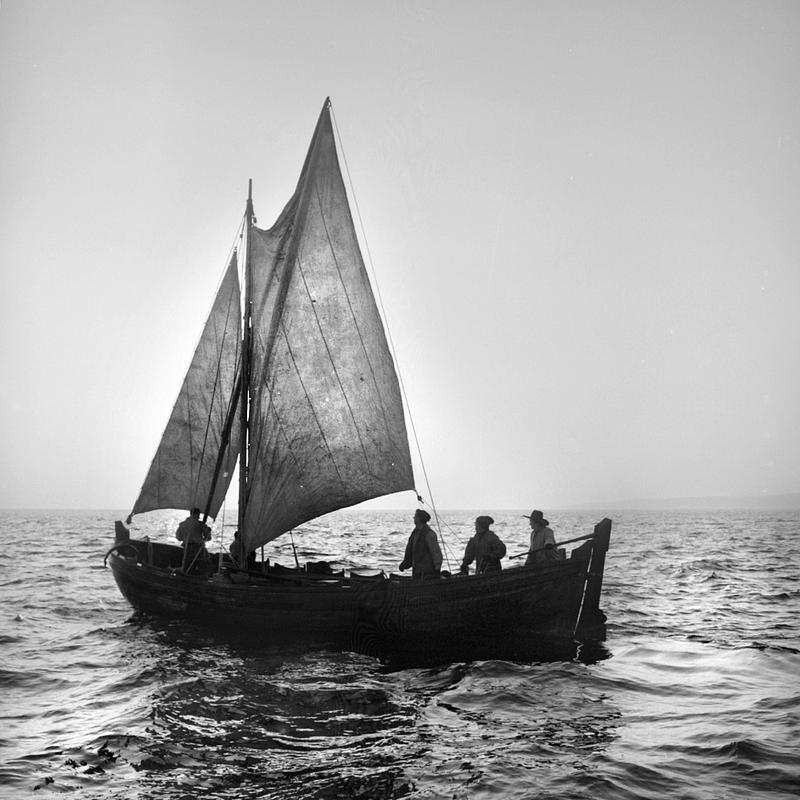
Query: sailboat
point(293, 387)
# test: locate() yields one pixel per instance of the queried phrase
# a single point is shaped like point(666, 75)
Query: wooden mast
point(244, 397)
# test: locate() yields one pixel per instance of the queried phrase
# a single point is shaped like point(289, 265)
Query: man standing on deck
point(423, 553)
point(192, 531)
point(543, 540)
point(484, 548)
point(194, 535)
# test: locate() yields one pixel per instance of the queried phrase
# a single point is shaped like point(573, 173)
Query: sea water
point(694, 694)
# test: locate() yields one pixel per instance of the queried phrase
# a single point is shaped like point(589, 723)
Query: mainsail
point(326, 420)
point(194, 463)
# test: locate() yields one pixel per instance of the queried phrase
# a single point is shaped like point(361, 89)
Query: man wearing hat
point(543, 541)
point(423, 553)
point(484, 548)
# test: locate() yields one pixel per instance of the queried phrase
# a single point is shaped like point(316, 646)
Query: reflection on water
point(429, 653)
point(274, 723)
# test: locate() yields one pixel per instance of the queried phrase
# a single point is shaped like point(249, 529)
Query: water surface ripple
point(694, 694)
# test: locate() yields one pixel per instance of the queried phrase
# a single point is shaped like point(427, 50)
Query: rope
point(385, 322)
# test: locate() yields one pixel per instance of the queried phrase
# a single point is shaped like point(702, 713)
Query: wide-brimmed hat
point(537, 516)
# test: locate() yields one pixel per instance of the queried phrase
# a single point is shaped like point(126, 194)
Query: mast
point(244, 397)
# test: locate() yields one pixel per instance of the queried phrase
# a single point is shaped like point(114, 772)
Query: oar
point(557, 544)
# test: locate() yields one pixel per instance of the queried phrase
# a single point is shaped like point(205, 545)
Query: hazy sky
point(583, 218)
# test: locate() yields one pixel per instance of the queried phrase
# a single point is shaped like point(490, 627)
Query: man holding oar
point(543, 540)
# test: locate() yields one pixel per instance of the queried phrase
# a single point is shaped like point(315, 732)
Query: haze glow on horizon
point(583, 219)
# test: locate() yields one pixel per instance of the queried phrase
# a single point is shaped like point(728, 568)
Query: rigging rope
point(386, 326)
point(221, 532)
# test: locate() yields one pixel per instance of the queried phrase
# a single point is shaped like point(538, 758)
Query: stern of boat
point(591, 622)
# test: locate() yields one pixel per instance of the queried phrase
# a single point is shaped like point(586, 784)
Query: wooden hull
point(476, 613)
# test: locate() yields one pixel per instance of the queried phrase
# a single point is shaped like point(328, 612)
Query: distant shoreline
point(774, 502)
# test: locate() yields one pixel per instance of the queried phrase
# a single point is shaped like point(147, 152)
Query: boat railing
point(291, 576)
point(301, 577)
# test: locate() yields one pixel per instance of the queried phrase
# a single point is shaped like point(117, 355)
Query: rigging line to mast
point(388, 331)
point(220, 543)
point(383, 312)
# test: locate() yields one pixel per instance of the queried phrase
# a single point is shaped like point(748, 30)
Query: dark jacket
point(423, 554)
point(543, 547)
point(486, 550)
point(192, 531)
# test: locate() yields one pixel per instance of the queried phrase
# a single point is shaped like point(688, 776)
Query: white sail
point(188, 469)
point(326, 420)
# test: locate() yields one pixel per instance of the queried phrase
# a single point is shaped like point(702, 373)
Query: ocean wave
point(693, 695)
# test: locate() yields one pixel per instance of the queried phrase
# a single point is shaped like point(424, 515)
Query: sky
point(582, 219)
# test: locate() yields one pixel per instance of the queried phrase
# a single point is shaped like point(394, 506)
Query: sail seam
point(353, 315)
point(358, 331)
point(335, 369)
point(310, 404)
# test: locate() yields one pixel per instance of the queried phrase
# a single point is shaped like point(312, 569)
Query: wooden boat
point(528, 607)
point(295, 384)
